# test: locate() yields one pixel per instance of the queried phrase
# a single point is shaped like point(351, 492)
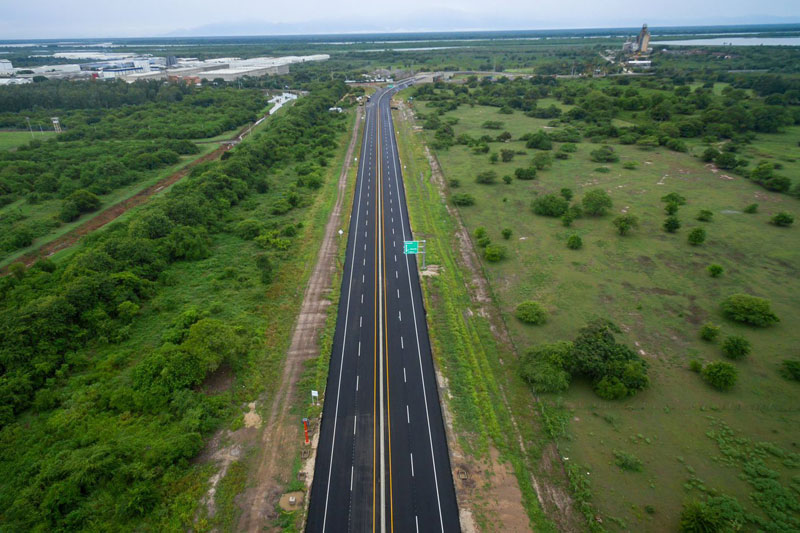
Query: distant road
point(382, 461)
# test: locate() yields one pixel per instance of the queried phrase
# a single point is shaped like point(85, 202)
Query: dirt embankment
point(113, 212)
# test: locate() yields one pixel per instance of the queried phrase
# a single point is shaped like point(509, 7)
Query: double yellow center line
point(382, 358)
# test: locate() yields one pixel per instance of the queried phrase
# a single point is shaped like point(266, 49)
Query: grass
point(12, 139)
point(655, 287)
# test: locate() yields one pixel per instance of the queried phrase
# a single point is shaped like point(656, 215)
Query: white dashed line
point(359, 348)
point(355, 424)
point(360, 319)
point(400, 316)
point(402, 345)
point(356, 383)
point(404, 375)
point(351, 476)
point(412, 469)
point(408, 416)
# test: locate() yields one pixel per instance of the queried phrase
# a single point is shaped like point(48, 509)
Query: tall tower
point(56, 124)
point(644, 39)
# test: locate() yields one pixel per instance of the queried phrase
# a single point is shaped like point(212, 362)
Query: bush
point(736, 347)
point(671, 224)
point(715, 270)
point(674, 198)
point(525, 173)
point(494, 253)
point(566, 193)
point(627, 461)
point(265, 268)
point(507, 179)
point(782, 219)
point(574, 242)
point(463, 199)
point(596, 202)
point(454, 183)
point(624, 223)
point(506, 233)
point(695, 365)
point(531, 313)
point(697, 236)
point(542, 367)
point(550, 205)
point(569, 148)
point(671, 208)
point(539, 141)
point(749, 309)
point(492, 125)
point(487, 177)
point(542, 161)
point(630, 165)
point(720, 514)
point(790, 369)
point(710, 154)
point(709, 332)
point(705, 215)
point(720, 375)
point(604, 154)
point(752, 208)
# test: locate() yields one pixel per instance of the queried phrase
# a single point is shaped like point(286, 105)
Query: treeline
point(661, 111)
point(99, 444)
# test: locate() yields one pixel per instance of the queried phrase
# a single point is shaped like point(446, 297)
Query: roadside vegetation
point(119, 360)
point(669, 295)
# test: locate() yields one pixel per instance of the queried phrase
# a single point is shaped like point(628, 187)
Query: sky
point(43, 19)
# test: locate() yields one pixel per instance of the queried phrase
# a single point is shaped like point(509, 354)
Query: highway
point(382, 461)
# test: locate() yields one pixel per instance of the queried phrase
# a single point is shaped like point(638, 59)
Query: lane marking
point(357, 383)
point(400, 315)
point(412, 464)
point(359, 320)
point(404, 375)
point(362, 297)
point(408, 416)
point(351, 477)
point(359, 348)
point(402, 345)
point(355, 424)
point(398, 294)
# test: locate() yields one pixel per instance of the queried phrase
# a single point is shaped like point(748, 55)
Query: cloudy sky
point(26, 19)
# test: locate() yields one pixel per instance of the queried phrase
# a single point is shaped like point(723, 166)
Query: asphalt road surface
point(382, 462)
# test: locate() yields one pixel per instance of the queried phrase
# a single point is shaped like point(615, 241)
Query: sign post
point(415, 248)
point(315, 397)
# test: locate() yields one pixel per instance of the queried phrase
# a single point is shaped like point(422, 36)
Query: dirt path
point(282, 433)
point(112, 213)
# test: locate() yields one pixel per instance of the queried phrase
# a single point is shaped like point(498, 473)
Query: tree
point(550, 205)
point(697, 236)
point(749, 309)
point(566, 193)
point(493, 158)
point(507, 155)
point(709, 332)
point(674, 198)
point(726, 161)
point(624, 223)
point(531, 313)
point(596, 202)
point(671, 208)
point(782, 219)
point(507, 179)
point(715, 270)
point(735, 347)
point(710, 154)
point(487, 177)
point(539, 141)
point(542, 160)
point(671, 224)
point(574, 242)
point(720, 375)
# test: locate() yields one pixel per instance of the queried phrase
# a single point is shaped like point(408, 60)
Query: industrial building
point(640, 44)
point(5, 66)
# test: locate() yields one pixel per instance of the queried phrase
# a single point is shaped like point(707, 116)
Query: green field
point(12, 139)
point(654, 286)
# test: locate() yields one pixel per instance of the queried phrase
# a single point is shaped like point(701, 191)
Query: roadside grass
point(12, 139)
point(44, 214)
point(654, 286)
point(466, 351)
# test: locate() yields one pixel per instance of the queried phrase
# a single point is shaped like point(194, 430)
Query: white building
point(5, 66)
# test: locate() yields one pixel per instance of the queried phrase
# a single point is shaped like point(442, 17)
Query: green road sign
point(410, 247)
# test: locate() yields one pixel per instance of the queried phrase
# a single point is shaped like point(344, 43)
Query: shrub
point(602, 170)
point(487, 177)
point(705, 215)
point(720, 514)
point(674, 198)
point(492, 124)
point(715, 270)
point(709, 154)
point(531, 313)
point(494, 253)
point(697, 236)
point(463, 199)
point(627, 461)
point(574, 242)
point(790, 369)
point(265, 268)
point(604, 154)
point(749, 309)
point(507, 179)
point(454, 183)
point(480, 231)
point(782, 219)
point(566, 193)
point(624, 223)
point(542, 160)
point(542, 367)
point(671, 208)
point(709, 332)
point(550, 205)
point(493, 158)
point(506, 155)
point(539, 141)
point(720, 375)
point(525, 173)
point(695, 365)
point(630, 165)
point(596, 202)
point(569, 148)
point(562, 155)
point(736, 347)
point(671, 224)
point(752, 208)
point(506, 233)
